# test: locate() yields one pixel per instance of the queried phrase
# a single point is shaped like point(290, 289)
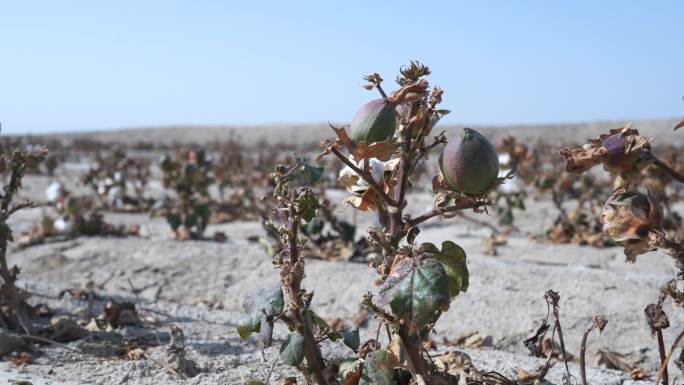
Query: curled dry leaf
point(635, 219)
point(621, 150)
point(656, 318)
point(606, 359)
point(456, 364)
point(21, 359)
point(638, 374)
point(579, 160)
point(679, 125)
point(382, 150)
point(367, 201)
point(599, 322)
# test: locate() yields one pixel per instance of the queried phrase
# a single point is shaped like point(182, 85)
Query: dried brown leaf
point(455, 364)
point(379, 150)
point(343, 138)
point(579, 160)
point(679, 125)
point(367, 201)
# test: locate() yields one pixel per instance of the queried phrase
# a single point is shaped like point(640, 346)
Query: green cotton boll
point(376, 121)
point(469, 163)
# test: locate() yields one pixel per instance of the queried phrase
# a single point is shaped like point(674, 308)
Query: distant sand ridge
point(297, 134)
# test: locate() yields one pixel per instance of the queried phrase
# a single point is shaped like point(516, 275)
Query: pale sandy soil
point(297, 134)
point(199, 286)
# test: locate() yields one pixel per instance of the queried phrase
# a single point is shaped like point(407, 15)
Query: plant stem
point(411, 343)
point(674, 174)
point(404, 170)
point(663, 365)
point(8, 289)
point(381, 91)
point(299, 312)
point(583, 351)
point(661, 350)
point(469, 204)
point(413, 350)
point(421, 152)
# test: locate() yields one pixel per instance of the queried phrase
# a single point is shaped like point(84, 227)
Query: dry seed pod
point(376, 121)
point(469, 163)
point(617, 158)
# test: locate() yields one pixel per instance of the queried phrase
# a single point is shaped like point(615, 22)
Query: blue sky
point(81, 65)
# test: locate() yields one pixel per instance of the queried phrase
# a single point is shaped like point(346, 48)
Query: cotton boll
point(53, 192)
point(504, 160)
point(511, 186)
point(377, 169)
point(63, 226)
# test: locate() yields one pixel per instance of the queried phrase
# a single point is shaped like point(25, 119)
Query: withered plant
point(15, 313)
point(389, 137)
point(576, 225)
point(72, 216)
point(119, 180)
point(634, 219)
point(188, 175)
point(327, 236)
point(238, 176)
point(297, 207)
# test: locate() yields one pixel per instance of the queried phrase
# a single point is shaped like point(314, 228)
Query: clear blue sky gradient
point(81, 65)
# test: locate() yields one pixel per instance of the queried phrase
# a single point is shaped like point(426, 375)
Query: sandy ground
point(199, 286)
point(296, 134)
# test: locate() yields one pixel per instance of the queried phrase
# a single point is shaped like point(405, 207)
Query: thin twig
point(270, 371)
point(377, 334)
point(667, 359)
point(661, 350)
point(583, 351)
point(51, 342)
point(421, 152)
point(381, 91)
point(674, 174)
point(376, 187)
point(443, 210)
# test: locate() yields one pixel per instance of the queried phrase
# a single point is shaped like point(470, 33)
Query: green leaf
point(348, 231)
point(313, 227)
point(416, 290)
point(308, 174)
point(351, 339)
point(202, 210)
point(506, 217)
point(174, 221)
point(307, 205)
point(166, 163)
point(269, 301)
point(453, 258)
point(190, 221)
point(520, 204)
point(292, 350)
point(378, 369)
